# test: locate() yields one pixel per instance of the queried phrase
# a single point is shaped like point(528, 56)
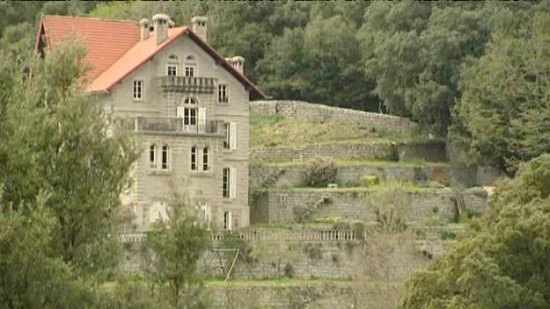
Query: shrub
point(289, 270)
point(369, 180)
point(477, 191)
point(321, 172)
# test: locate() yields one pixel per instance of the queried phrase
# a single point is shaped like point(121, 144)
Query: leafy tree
point(176, 246)
point(503, 261)
point(57, 140)
point(504, 111)
point(31, 274)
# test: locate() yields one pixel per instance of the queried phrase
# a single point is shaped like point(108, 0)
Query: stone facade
point(158, 116)
point(321, 113)
point(295, 205)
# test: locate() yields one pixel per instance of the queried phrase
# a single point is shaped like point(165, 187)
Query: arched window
point(153, 156)
point(172, 66)
point(205, 166)
point(194, 166)
point(165, 157)
point(190, 66)
point(190, 111)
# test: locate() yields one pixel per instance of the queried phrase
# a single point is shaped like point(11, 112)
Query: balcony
point(186, 84)
point(176, 126)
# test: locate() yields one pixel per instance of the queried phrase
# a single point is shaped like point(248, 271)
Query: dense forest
point(421, 60)
point(474, 73)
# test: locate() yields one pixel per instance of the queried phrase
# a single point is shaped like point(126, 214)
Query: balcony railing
point(186, 84)
point(176, 125)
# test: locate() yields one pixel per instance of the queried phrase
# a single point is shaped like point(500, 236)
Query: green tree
point(176, 246)
point(57, 140)
point(503, 112)
point(503, 261)
point(31, 274)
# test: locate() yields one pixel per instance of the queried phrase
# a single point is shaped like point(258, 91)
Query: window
point(206, 214)
point(189, 70)
point(230, 141)
point(190, 112)
point(223, 94)
point(205, 166)
point(158, 212)
point(194, 158)
point(153, 156)
point(172, 65)
point(138, 90)
point(165, 157)
point(227, 218)
point(227, 128)
point(225, 187)
point(172, 69)
point(190, 66)
point(229, 185)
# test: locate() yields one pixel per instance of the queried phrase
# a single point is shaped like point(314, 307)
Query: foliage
point(33, 276)
point(503, 261)
point(321, 172)
point(57, 140)
point(176, 247)
point(369, 180)
point(504, 108)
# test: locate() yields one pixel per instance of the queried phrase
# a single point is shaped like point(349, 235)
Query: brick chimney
point(144, 27)
point(161, 23)
point(199, 25)
point(237, 62)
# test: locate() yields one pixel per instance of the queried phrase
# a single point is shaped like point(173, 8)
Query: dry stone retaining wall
point(351, 151)
point(321, 113)
point(294, 205)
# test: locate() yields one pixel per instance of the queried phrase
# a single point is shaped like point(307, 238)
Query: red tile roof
point(115, 49)
point(106, 40)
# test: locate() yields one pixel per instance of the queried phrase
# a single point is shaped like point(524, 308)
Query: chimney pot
point(199, 25)
point(161, 23)
point(144, 29)
point(237, 62)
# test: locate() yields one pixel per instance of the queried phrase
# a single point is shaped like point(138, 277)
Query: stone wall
point(293, 175)
point(311, 295)
point(321, 113)
point(351, 151)
point(295, 205)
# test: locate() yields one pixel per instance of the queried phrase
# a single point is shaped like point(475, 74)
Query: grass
point(283, 281)
point(276, 131)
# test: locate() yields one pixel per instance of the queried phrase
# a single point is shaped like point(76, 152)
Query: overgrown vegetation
point(321, 172)
point(503, 260)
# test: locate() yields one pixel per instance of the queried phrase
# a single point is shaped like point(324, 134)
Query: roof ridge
point(93, 18)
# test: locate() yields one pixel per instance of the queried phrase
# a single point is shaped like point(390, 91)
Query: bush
point(321, 172)
point(369, 180)
point(289, 270)
point(477, 191)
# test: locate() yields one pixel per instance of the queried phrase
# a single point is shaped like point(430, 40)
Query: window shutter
point(229, 221)
point(179, 111)
point(202, 119)
point(233, 136)
point(232, 182)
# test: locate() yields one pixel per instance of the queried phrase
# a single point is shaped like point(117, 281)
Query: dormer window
point(172, 66)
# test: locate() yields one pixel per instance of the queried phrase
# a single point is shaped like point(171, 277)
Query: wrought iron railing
point(186, 84)
point(177, 125)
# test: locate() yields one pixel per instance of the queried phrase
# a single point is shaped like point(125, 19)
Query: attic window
point(190, 58)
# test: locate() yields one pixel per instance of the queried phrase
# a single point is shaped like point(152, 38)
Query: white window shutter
point(202, 115)
point(233, 136)
point(232, 182)
point(229, 221)
point(179, 111)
